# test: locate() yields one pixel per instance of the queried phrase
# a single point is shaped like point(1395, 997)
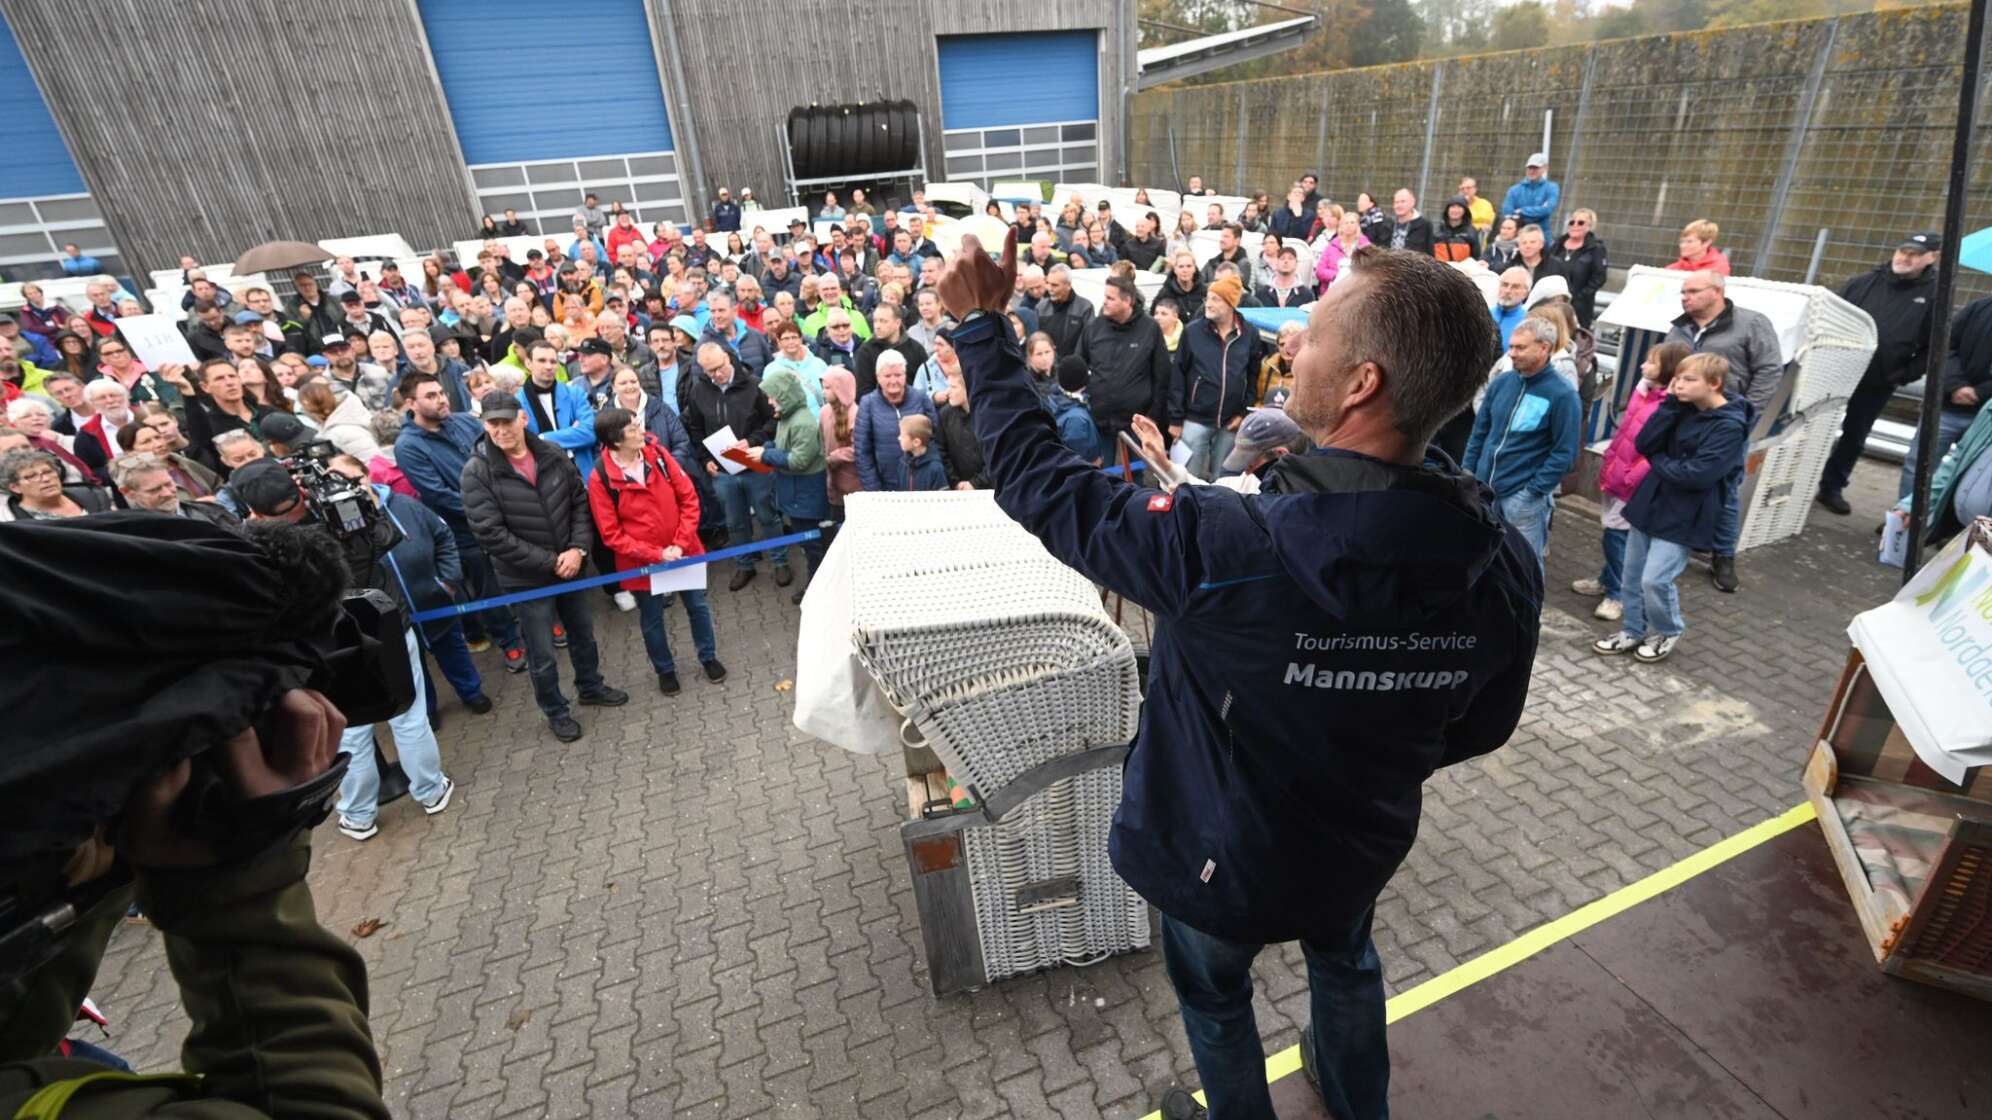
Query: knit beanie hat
point(1228, 289)
point(1072, 373)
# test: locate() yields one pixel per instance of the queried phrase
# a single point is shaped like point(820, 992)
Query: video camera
point(340, 503)
point(354, 652)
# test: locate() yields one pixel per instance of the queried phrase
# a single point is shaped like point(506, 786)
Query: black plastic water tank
point(831, 141)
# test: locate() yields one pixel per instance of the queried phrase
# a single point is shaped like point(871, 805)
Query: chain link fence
point(1775, 132)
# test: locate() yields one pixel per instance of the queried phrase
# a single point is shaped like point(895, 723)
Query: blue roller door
point(37, 161)
point(991, 80)
point(523, 86)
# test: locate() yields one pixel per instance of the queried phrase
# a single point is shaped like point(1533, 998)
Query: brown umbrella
point(277, 256)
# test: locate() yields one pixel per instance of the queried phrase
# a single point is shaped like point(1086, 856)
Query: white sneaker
point(442, 800)
point(1611, 610)
point(1616, 644)
point(358, 831)
point(1589, 587)
point(1656, 647)
point(625, 601)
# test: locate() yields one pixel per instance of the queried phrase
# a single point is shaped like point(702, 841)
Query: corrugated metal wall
point(600, 98)
point(205, 127)
point(37, 161)
point(745, 68)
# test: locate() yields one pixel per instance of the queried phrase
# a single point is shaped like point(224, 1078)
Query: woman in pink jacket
point(1348, 238)
point(1624, 468)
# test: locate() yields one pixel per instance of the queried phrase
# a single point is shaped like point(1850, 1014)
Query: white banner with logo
point(1930, 653)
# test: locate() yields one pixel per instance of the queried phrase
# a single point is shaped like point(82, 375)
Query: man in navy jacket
point(1322, 648)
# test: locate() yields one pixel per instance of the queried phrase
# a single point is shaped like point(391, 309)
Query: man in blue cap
point(1321, 649)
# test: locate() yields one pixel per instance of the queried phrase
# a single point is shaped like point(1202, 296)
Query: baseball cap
point(595, 346)
point(1538, 159)
point(337, 338)
point(317, 360)
point(265, 487)
point(349, 296)
point(6, 318)
point(1264, 429)
point(282, 427)
point(723, 192)
point(1923, 242)
point(247, 317)
point(498, 405)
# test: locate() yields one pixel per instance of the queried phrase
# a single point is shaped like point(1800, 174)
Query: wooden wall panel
point(208, 126)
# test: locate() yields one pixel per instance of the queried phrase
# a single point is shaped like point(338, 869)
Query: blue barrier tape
point(459, 609)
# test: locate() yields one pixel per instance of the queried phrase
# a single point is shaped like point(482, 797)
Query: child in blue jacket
point(924, 469)
point(1072, 414)
point(1695, 445)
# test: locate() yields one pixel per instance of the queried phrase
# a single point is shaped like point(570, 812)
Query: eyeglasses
point(43, 475)
point(1579, 222)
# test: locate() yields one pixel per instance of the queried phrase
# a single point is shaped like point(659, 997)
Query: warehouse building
point(167, 128)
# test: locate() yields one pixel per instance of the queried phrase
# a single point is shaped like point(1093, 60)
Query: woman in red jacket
point(648, 512)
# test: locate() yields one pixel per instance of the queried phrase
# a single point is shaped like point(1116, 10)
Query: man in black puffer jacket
point(1131, 365)
point(528, 509)
point(1897, 296)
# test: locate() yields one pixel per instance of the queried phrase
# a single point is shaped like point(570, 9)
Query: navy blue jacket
point(1695, 457)
point(875, 437)
point(1320, 651)
point(925, 471)
point(433, 463)
point(1214, 376)
point(426, 561)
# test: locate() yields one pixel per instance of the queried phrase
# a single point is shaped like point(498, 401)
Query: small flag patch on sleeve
point(1160, 503)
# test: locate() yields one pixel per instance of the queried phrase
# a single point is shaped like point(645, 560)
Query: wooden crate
point(1943, 934)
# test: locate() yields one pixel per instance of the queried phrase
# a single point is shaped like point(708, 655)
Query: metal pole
point(1794, 148)
point(1431, 133)
point(1939, 341)
point(1242, 130)
point(1818, 254)
point(1548, 119)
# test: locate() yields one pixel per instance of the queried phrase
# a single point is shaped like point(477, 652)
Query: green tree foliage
point(1519, 27)
point(1392, 33)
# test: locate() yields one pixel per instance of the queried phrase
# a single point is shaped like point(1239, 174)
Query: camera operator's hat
point(1923, 242)
point(282, 427)
point(499, 405)
point(1264, 430)
point(265, 487)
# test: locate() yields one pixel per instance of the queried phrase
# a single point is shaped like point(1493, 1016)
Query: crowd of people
point(629, 395)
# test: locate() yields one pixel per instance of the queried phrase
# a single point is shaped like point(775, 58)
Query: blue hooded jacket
point(1535, 202)
point(573, 423)
point(1695, 459)
point(1320, 651)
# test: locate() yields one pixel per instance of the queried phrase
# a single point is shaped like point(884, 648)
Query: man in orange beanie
point(1213, 383)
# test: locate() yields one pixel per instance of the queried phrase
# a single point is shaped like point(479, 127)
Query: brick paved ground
point(697, 912)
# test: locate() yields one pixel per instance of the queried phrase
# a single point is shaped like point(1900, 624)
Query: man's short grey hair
point(1032, 272)
point(21, 406)
point(126, 468)
point(229, 439)
point(508, 378)
point(889, 359)
point(1717, 279)
point(94, 391)
point(1542, 330)
point(1059, 270)
point(1532, 228)
point(713, 348)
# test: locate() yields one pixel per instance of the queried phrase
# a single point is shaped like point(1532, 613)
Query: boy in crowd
point(1071, 413)
point(924, 470)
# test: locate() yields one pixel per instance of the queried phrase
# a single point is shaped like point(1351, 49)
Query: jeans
point(812, 551)
point(1613, 573)
point(1529, 512)
point(536, 621)
point(749, 497)
point(452, 657)
point(1652, 602)
point(1209, 447)
point(1950, 429)
point(421, 758)
point(1213, 982)
point(657, 634)
point(481, 582)
point(1862, 409)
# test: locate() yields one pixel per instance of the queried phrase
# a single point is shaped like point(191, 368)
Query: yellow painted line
point(1577, 921)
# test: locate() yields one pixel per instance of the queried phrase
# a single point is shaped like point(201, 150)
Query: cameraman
point(269, 492)
point(182, 761)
